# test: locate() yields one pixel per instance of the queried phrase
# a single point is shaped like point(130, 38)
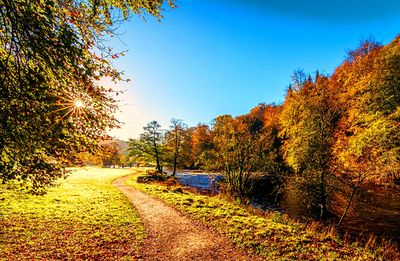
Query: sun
point(79, 104)
point(73, 107)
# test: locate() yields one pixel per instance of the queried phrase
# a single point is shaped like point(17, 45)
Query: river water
point(379, 213)
point(205, 181)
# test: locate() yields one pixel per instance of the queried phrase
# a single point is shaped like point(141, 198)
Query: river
point(376, 212)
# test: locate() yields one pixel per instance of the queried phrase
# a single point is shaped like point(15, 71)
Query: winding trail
point(173, 236)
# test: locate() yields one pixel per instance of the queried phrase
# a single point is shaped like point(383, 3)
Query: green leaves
point(150, 145)
point(52, 54)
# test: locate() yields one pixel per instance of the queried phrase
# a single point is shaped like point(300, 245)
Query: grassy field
point(83, 218)
point(272, 235)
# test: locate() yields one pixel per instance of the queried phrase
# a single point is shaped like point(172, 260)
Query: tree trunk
point(323, 197)
point(348, 206)
point(159, 167)
point(174, 170)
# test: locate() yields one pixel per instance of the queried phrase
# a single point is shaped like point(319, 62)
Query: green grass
point(83, 218)
point(271, 235)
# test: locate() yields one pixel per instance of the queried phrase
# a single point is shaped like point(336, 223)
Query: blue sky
point(208, 58)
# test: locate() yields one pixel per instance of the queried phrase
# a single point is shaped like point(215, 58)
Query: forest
point(333, 139)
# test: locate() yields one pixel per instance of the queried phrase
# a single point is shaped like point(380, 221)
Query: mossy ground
point(272, 234)
point(83, 218)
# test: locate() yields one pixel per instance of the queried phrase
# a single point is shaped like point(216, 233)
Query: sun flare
point(73, 107)
point(79, 104)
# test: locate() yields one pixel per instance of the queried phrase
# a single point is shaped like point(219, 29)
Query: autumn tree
point(174, 141)
point(308, 120)
point(273, 165)
point(203, 147)
point(150, 145)
point(53, 54)
point(187, 156)
point(368, 137)
point(238, 152)
point(109, 153)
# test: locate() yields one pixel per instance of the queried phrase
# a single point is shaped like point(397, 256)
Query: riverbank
point(270, 234)
point(375, 211)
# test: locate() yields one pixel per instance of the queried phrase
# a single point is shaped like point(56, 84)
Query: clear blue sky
point(208, 58)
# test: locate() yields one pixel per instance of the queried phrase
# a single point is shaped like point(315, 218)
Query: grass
point(272, 235)
point(83, 218)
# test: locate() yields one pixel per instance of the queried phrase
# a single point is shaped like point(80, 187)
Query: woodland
point(332, 139)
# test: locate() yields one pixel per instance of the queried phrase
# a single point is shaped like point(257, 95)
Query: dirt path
point(173, 236)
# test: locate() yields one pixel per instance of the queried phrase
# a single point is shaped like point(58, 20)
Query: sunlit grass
point(83, 218)
point(272, 235)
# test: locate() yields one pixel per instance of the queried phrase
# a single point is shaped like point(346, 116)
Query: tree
point(308, 120)
point(367, 143)
point(150, 145)
point(239, 152)
point(52, 56)
point(174, 139)
point(109, 153)
point(203, 147)
point(274, 164)
point(187, 156)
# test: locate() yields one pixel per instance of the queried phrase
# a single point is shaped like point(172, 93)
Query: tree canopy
point(52, 56)
point(150, 145)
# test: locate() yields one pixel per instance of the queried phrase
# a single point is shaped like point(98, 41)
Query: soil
point(173, 236)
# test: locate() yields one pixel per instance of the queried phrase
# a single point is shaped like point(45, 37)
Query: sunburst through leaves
point(73, 107)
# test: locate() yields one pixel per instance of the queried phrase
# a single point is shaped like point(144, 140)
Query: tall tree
point(274, 164)
point(150, 145)
point(239, 152)
point(52, 56)
point(174, 139)
point(109, 153)
point(308, 120)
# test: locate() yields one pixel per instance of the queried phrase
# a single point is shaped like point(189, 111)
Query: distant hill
point(123, 145)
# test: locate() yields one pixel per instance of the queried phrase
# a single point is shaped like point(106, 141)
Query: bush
point(151, 177)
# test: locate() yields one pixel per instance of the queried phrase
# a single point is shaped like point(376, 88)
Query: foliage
point(367, 143)
point(109, 153)
point(202, 145)
point(272, 235)
point(53, 54)
point(150, 145)
point(239, 151)
point(274, 165)
point(83, 218)
point(367, 140)
point(308, 120)
point(174, 141)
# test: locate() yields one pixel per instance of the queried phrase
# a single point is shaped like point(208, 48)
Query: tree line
point(332, 134)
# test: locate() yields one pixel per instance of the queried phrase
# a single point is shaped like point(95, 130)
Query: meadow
point(83, 218)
